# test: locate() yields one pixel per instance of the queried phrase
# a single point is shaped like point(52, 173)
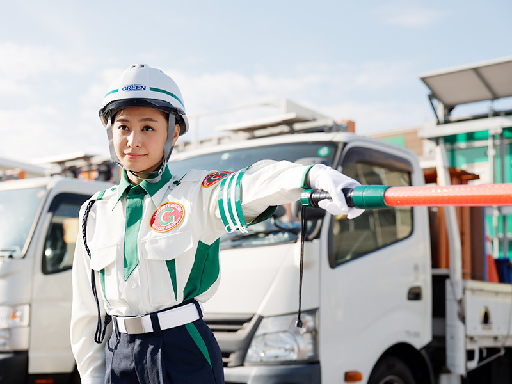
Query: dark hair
point(164, 114)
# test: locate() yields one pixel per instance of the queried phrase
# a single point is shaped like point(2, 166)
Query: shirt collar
point(124, 185)
point(152, 189)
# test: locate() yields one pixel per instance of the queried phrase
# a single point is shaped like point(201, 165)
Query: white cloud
point(29, 132)
point(340, 81)
point(365, 93)
point(24, 61)
point(381, 115)
point(90, 100)
point(66, 120)
point(43, 131)
point(40, 93)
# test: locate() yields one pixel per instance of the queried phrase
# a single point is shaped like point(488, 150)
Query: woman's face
point(139, 135)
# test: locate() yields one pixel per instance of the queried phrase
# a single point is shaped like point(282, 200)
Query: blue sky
point(356, 60)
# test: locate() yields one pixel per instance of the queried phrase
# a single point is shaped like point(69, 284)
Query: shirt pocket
point(159, 253)
point(168, 246)
point(103, 258)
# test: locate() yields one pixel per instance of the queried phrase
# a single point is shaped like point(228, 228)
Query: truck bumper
point(13, 367)
point(278, 374)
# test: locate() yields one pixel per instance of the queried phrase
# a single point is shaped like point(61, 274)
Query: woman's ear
point(176, 134)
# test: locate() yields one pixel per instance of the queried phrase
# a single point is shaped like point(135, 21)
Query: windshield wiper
point(249, 235)
point(293, 230)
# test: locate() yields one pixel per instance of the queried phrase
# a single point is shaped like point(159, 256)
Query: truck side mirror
point(280, 212)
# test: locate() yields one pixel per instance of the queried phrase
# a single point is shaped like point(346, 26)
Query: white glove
point(332, 181)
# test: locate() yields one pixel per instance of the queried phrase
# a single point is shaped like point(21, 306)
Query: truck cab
point(366, 281)
point(39, 227)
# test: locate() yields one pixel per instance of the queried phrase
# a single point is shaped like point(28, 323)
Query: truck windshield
point(285, 226)
point(18, 210)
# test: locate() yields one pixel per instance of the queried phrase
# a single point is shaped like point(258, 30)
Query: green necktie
point(134, 208)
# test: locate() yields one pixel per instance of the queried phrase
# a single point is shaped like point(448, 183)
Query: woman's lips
point(134, 155)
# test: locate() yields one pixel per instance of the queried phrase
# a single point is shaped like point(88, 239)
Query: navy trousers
point(181, 355)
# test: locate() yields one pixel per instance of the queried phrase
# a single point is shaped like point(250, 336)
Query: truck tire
point(391, 370)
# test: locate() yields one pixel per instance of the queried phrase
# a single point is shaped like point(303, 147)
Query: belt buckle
point(133, 325)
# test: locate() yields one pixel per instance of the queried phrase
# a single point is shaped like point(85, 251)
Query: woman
point(148, 256)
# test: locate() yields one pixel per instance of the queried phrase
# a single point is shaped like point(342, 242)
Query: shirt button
point(133, 285)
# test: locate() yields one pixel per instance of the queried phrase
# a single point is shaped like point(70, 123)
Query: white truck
point(38, 232)
point(374, 309)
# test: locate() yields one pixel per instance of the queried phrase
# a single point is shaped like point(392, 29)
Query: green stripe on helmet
point(167, 93)
point(112, 91)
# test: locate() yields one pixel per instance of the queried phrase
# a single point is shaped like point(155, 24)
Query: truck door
point(374, 280)
point(50, 350)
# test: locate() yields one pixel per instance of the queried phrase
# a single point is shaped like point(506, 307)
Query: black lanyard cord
point(99, 335)
point(303, 228)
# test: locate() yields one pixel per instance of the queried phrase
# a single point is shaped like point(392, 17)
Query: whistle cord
point(99, 335)
point(303, 228)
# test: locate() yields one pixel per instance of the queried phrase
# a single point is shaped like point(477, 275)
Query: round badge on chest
point(167, 216)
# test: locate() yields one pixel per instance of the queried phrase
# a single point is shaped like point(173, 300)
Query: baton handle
point(363, 196)
point(311, 197)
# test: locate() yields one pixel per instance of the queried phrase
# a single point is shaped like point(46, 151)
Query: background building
point(479, 144)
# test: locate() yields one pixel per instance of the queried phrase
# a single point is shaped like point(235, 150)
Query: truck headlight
point(278, 339)
point(14, 316)
point(14, 322)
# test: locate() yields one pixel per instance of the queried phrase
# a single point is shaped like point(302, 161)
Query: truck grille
point(234, 334)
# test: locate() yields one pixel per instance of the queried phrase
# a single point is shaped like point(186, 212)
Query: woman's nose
point(134, 139)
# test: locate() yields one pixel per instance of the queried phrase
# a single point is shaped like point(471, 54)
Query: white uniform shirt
point(177, 245)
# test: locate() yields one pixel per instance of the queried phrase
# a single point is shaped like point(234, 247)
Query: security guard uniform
point(154, 250)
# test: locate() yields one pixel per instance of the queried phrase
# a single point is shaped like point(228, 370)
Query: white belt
point(170, 318)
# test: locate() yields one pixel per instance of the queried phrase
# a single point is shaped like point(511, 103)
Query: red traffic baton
point(382, 196)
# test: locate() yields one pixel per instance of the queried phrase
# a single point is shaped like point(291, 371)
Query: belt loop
point(156, 323)
point(116, 329)
point(198, 307)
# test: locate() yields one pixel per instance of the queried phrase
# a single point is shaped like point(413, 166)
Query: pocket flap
point(167, 247)
point(103, 256)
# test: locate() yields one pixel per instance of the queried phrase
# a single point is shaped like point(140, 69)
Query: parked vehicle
point(38, 232)
point(374, 309)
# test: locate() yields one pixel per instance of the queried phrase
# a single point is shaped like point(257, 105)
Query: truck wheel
point(391, 370)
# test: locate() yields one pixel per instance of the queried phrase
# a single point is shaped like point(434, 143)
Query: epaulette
point(105, 194)
point(193, 175)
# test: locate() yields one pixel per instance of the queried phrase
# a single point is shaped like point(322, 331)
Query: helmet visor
point(108, 111)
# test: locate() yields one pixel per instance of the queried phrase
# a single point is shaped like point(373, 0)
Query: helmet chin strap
point(149, 179)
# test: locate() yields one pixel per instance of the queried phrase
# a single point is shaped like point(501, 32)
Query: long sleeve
point(247, 194)
point(89, 356)
point(268, 183)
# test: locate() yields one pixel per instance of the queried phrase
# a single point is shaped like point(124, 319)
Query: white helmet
point(143, 86)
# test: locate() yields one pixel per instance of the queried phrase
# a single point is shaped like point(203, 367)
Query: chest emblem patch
point(167, 216)
point(214, 177)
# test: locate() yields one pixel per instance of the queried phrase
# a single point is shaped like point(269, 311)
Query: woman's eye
point(122, 127)
point(148, 128)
